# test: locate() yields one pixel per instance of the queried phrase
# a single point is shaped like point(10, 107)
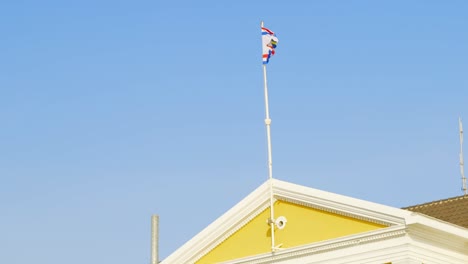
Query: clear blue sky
point(114, 110)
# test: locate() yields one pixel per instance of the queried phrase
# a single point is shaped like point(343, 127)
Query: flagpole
point(270, 164)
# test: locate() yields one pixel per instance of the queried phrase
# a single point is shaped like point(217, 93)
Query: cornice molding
point(230, 232)
point(340, 204)
point(437, 238)
point(222, 228)
point(257, 201)
point(320, 247)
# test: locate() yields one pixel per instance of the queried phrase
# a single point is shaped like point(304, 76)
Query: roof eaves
point(436, 202)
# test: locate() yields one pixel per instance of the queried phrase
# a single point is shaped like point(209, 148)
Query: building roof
point(242, 219)
point(453, 210)
point(244, 214)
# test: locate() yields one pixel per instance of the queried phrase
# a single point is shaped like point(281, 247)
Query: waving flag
point(269, 41)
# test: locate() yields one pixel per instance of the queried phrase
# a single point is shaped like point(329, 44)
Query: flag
point(269, 41)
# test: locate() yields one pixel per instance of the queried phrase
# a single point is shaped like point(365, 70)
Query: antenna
point(462, 170)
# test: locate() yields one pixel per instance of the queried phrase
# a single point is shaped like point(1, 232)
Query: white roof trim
point(258, 200)
point(323, 246)
point(222, 227)
point(341, 204)
point(420, 219)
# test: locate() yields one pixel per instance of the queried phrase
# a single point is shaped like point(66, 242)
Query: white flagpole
point(270, 164)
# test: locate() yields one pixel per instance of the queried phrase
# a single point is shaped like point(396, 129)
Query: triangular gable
point(312, 216)
point(304, 225)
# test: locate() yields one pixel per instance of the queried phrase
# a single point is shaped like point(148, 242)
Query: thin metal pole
point(270, 163)
point(268, 124)
point(462, 163)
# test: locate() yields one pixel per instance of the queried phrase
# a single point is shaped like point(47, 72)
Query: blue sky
point(115, 110)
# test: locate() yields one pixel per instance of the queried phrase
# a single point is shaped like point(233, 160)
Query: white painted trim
point(324, 246)
point(449, 228)
point(258, 200)
point(340, 204)
point(221, 228)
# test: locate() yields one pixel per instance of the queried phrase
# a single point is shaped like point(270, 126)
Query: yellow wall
point(305, 225)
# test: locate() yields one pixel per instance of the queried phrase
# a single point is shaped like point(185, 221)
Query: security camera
point(281, 222)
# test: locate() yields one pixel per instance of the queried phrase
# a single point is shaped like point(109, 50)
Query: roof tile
point(453, 210)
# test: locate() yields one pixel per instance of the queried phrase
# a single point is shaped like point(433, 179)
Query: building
point(314, 226)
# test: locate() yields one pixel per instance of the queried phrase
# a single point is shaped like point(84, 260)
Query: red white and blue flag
point(269, 41)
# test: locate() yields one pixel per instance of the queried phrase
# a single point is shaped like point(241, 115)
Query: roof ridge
point(446, 200)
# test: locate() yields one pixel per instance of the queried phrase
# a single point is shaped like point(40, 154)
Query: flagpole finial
point(261, 23)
